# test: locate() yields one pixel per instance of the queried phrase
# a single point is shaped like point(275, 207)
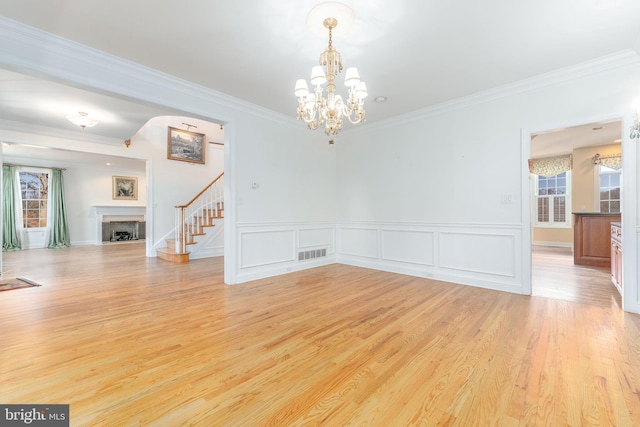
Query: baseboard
point(262, 273)
point(553, 244)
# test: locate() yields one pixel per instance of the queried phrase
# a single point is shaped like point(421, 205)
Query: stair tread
point(167, 255)
point(168, 250)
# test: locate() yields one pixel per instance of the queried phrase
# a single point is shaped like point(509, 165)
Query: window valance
point(613, 161)
point(551, 166)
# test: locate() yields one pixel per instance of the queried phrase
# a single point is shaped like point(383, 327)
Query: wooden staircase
point(192, 220)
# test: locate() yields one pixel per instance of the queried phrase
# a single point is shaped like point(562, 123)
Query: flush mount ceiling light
point(82, 119)
point(314, 108)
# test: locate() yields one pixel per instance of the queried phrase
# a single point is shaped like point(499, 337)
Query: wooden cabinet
point(592, 238)
point(616, 256)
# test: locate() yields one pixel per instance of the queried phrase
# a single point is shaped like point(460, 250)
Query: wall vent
point(314, 253)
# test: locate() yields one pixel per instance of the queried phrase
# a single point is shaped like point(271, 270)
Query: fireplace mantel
point(120, 210)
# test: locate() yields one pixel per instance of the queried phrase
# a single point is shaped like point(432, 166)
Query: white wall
point(423, 194)
point(89, 186)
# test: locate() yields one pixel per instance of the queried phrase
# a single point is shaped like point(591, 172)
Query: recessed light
point(380, 99)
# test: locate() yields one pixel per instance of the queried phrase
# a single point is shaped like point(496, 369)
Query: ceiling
point(43, 103)
point(38, 156)
point(416, 53)
point(563, 141)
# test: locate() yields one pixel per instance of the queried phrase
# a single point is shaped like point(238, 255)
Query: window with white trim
point(610, 185)
point(552, 198)
point(34, 188)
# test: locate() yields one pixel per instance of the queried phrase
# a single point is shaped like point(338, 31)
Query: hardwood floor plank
point(127, 340)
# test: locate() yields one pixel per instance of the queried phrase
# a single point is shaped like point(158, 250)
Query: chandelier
point(635, 129)
point(316, 109)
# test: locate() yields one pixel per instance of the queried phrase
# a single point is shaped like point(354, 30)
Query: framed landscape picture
point(125, 188)
point(186, 146)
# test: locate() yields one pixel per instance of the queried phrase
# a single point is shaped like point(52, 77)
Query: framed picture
point(125, 188)
point(186, 146)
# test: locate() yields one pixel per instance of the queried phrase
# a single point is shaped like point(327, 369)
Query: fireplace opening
point(122, 235)
point(120, 231)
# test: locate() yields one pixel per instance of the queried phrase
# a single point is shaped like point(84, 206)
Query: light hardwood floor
point(127, 340)
point(555, 276)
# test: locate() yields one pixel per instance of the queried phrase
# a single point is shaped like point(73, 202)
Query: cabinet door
point(619, 266)
point(616, 265)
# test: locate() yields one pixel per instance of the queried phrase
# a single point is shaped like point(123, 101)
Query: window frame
point(534, 204)
point(46, 216)
point(597, 185)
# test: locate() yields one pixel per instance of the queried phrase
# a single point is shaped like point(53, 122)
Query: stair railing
point(190, 218)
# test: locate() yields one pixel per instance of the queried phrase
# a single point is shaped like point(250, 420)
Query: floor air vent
point(314, 253)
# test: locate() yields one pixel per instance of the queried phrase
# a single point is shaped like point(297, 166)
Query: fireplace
point(119, 231)
point(120, 223)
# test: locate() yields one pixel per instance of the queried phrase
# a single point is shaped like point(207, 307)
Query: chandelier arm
point(359, 117)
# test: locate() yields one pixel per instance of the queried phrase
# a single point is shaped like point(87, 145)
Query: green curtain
point(59, 230)
point(10, 238)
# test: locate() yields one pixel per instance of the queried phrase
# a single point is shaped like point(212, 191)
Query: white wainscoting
point(312, 238)
point(33, 238)
point(266, 247)
point(492, 254)
point(359, 241)
point(270, 249)
point(487, 256)
point(408, 246)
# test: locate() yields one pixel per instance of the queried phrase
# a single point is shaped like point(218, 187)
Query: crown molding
point(622, 59)
point(35, 52)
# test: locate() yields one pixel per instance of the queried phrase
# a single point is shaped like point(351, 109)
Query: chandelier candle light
point(313, 107)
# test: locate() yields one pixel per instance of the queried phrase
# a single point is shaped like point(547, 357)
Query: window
point(34, 191)
point(552, 199)
point(610, 182)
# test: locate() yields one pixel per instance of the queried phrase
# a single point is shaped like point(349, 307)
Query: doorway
point(555, 198)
